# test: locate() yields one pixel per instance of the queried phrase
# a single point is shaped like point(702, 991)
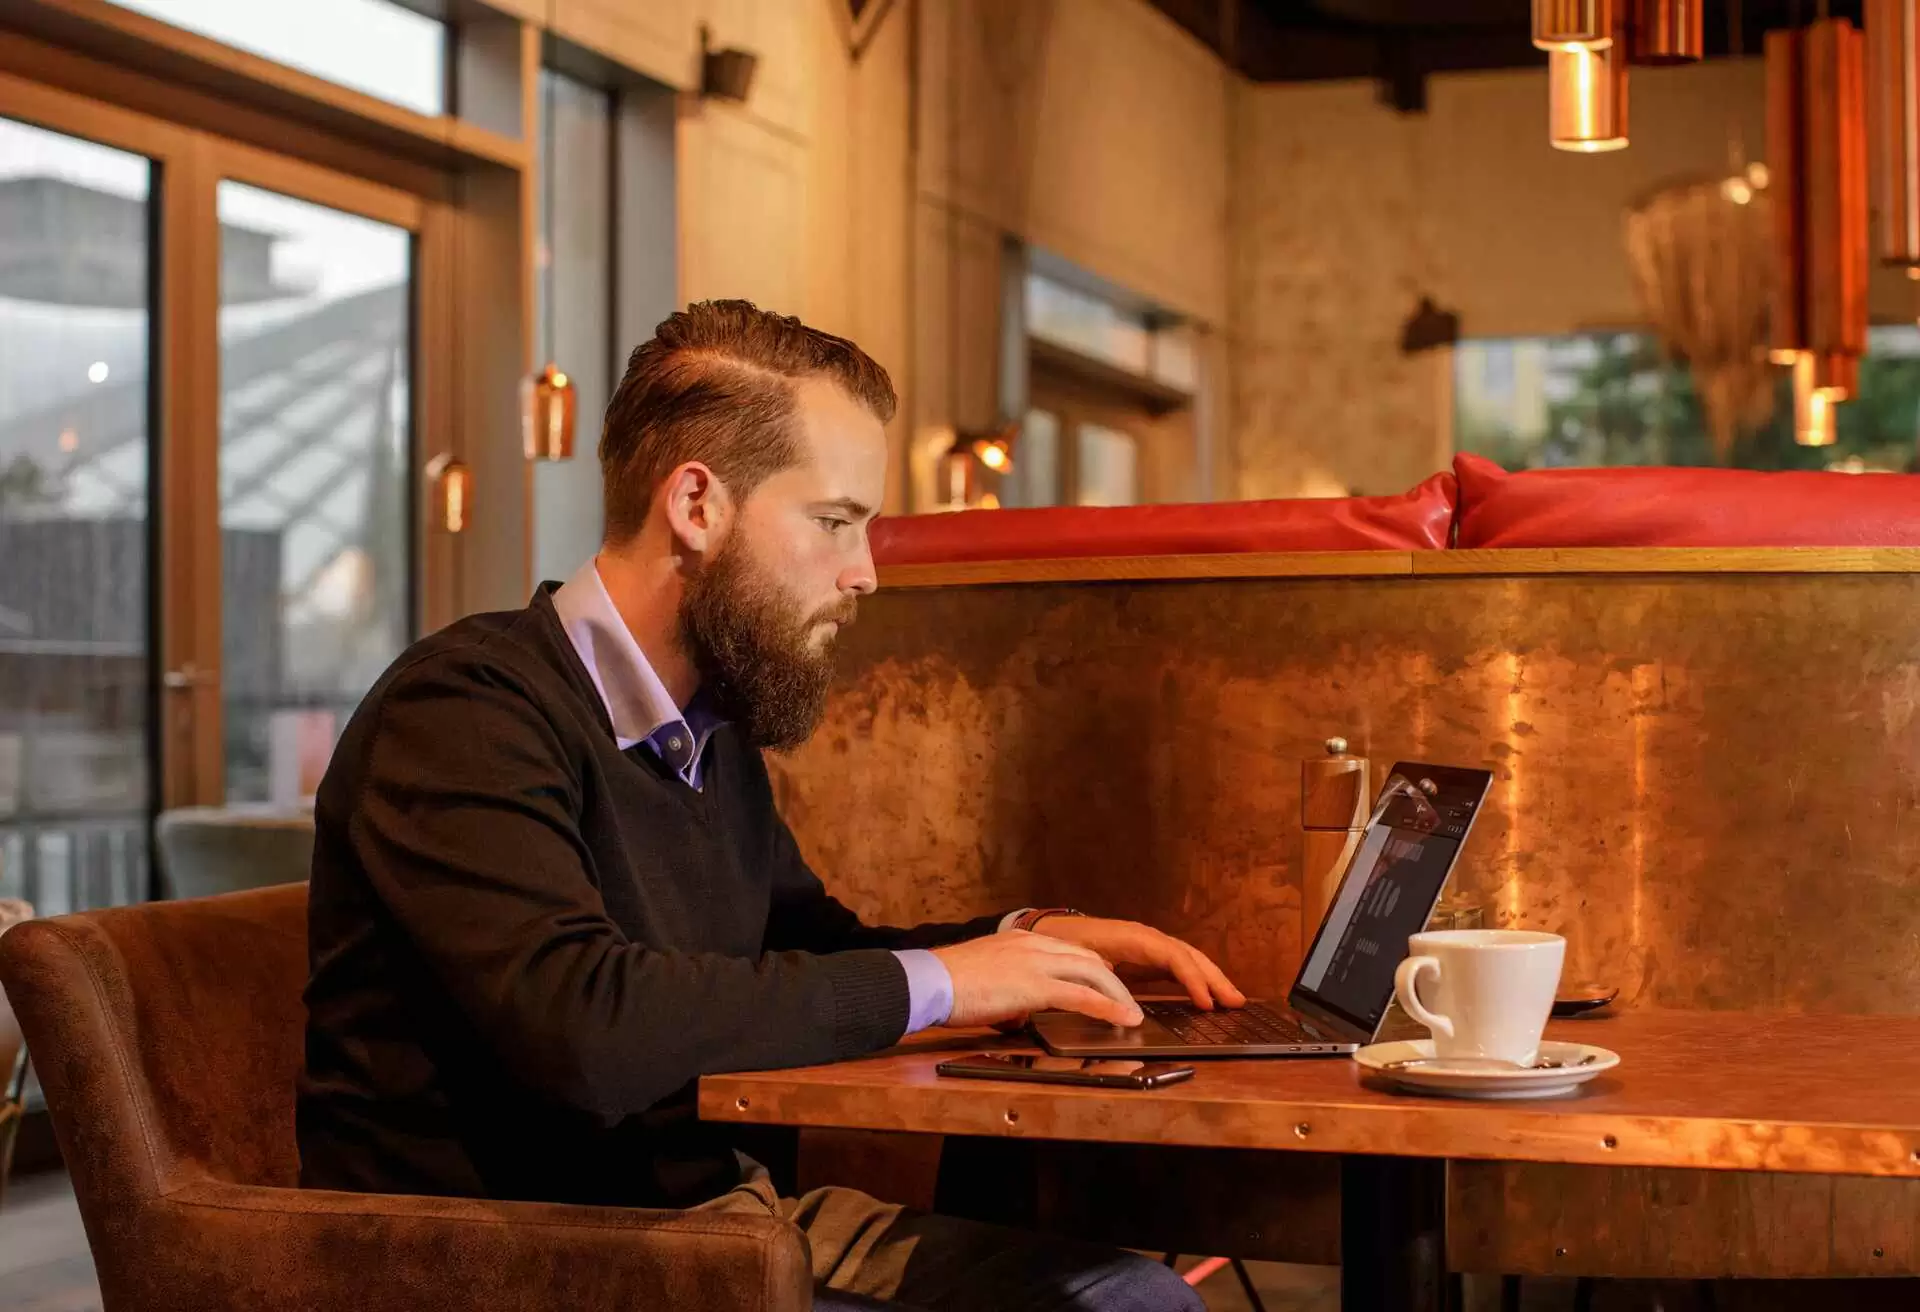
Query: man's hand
point(1131, 943)
point(1003, 977)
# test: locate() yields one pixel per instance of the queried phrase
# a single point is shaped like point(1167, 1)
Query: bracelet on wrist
point(1028, 919)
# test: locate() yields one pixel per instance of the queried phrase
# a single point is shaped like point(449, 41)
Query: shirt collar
point(638, 703)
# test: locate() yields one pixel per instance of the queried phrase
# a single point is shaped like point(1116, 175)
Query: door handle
point(189, 676)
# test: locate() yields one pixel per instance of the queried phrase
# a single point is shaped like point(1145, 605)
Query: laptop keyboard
point(1253, 1023)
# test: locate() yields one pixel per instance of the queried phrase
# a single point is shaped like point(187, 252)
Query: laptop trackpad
point(1070, 1028)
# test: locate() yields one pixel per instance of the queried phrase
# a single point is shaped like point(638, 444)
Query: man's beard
point(749, 642)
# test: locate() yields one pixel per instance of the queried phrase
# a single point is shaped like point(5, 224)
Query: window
point(575, 307)
point(1035, 480)
point(1615, 399)
point(1140, 341)
point(315, 481)
point(373, 46)
point(74, 503)
point(1110, 383)
point(1108, 462)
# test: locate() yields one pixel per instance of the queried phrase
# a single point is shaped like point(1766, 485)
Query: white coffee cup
point(1490, 993)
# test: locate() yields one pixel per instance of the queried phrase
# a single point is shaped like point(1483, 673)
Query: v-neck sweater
point(527, 945)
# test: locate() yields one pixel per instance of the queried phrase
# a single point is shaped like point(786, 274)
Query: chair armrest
point(225, 1246)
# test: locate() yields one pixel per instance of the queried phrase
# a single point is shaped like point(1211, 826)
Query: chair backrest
point(167, 1038)
point(206, 850)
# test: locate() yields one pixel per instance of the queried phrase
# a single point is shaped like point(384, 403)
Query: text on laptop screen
point(1386, 897)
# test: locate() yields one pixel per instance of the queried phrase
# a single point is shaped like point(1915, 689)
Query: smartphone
point(1102, 1072)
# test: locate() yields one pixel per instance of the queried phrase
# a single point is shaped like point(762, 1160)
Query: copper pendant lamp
point(452, 493)
point(1563, 24)
point(1893, 100)
point(1667, 31)
point(1589, 44)
point(548, 402)
point(1817, 149)
point(1586, 73)
point(1586, 100)
point(549, 398)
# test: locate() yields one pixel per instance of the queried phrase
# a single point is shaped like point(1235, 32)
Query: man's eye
point(829, 523)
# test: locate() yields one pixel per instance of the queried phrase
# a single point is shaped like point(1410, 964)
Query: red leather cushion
point(1413, 521)
point(1683, 508)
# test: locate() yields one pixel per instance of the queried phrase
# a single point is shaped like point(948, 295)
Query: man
point(550, 888)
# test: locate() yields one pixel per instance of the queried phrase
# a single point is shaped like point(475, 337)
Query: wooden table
point(1714, 1090)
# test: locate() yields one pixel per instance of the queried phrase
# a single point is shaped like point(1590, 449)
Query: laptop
point(1345, 984)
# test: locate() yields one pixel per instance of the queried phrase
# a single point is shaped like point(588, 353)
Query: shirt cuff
point(929, 989)
point(1006, 921)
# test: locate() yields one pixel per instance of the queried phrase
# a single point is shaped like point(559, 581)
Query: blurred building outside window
point(1614, 398)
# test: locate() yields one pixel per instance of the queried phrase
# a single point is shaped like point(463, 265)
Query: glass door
point(76, 509)
point(314, 467)
point(188, 323)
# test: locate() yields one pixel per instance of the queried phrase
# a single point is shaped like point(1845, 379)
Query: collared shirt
point(643, 711)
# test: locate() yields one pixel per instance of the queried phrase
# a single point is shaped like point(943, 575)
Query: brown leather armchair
point(167, 1037)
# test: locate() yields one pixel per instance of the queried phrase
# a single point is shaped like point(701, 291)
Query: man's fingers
point(1223, 988)
point(1096, 976)
point(1181, 961)
point(1068, 996)
point(1204, 982)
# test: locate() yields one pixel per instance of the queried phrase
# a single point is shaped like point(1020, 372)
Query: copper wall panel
point(1667, 1224)
point(1708, 783)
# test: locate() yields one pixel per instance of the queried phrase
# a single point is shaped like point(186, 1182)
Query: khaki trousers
point(898, 1257)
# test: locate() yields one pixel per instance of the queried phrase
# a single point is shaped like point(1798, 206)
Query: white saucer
point(1580, 1062)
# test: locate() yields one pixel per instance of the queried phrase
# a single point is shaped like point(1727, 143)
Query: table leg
point(1393, 1234)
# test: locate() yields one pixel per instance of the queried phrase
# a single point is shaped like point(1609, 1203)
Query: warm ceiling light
point(1813, 418)
point(1586, 100)
point(97, 372)
point(1581, 24)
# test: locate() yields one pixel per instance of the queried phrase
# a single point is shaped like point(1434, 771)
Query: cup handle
point(1406, 981)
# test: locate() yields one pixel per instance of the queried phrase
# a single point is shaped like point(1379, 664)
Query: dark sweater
point(526, 945)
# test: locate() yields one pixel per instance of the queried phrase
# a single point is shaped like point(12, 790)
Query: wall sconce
point(959, 480)
point(548, 401)
point(451, 482)
point(725, 74)
point(959, 476)
point(1428, 327)
point(996, 453)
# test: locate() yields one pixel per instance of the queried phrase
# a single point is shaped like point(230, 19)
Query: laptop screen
point(1388, 893)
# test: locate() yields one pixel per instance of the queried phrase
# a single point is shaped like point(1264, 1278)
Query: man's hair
point(715, 383)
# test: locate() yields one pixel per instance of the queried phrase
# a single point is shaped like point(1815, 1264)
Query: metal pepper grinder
point(1336, 793)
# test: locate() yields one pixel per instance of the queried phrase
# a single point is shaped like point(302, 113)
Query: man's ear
point(698, 508)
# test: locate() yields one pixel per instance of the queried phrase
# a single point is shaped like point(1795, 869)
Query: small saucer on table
point(1469, 1078)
